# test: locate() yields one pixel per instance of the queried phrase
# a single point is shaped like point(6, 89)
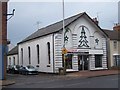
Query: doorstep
point(71, 70)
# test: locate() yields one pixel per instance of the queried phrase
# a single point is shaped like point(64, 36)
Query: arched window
point(29, 55)
point(38, 54)
point(13, 60)
point(48, 45)
point(22, 56)
point(9, 60)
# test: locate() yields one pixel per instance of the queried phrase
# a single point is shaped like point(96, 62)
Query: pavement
point(81, 74)
point(90, 74)
point(6, 82)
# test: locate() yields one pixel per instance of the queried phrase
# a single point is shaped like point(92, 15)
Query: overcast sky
point(28, 14)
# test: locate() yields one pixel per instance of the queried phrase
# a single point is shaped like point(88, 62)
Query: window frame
point(13, 60)
point(9, 60)
point(98, 64)
point(115, 44)
point(29, 54)
point(22, 56)
point(48, 49)
point(38, 53)
point(116, 60)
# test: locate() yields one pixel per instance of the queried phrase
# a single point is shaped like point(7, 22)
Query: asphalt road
point(56, 81)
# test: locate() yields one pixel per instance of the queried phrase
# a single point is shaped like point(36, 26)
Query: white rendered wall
point(12, 57)
point(42, 42)
point(92, 33)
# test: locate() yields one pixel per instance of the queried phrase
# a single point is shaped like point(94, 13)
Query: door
point(68, 61)
point(83, 62)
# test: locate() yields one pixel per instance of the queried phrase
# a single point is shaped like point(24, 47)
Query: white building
point(85, 42)
point(114, 50)
point(12, 56)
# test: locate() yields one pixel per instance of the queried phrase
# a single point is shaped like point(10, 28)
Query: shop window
point(116, 60)
point(98, 61)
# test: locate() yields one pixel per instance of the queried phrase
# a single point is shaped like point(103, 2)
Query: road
point(56, 81)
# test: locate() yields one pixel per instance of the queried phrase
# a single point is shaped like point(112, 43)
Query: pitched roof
point(13, 51)
point(56, 27)
point(51, 28)
point(112, 34)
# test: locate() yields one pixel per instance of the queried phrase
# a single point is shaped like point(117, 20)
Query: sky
point(34, 14)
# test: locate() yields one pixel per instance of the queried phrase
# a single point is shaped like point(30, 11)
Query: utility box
point(62, 71)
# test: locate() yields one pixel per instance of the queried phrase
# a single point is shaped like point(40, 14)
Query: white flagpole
point(63, 54)
point(63, 25)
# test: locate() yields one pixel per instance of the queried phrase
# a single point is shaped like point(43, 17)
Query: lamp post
point(63, 48)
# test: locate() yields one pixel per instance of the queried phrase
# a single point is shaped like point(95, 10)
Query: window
point(9, 60)
point(98, 61)
point(38, 54)
point(17, 61)
point(13, 60)
point(22, 56)
point(116, 59)
point(115, 44)
point(29, 55)
point(48, 45)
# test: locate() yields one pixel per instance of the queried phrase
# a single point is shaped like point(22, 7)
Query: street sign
point(64, 51)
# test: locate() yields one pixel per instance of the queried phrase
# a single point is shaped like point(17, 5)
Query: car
point(28, 70)
point(15, 69)
point(9, 68)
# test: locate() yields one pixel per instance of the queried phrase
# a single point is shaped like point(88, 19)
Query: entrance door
point(83, 62)
point(68, 61)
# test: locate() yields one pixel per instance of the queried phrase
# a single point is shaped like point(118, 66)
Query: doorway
point(68, 61)
point(83, 62)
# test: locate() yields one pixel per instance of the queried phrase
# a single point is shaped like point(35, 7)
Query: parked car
point(9, 68)
point(28, 70)
point(15, 69)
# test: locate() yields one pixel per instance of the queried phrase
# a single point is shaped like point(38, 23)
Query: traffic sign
point(64, 51)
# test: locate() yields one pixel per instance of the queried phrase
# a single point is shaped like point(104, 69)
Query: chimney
point(116, 27)
point(95, 20)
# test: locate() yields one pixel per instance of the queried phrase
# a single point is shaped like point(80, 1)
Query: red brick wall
point(4, 23)
point(3, 28)
point(117, 27)
point(3, 36)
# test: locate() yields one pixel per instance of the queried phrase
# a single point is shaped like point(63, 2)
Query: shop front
point(86, 59)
